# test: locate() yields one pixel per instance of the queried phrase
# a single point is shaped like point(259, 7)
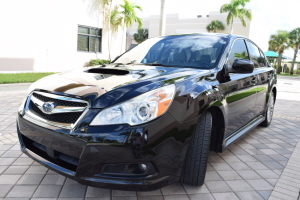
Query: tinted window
point(182, 51)
point(264, 61)
point(255, 55)
point(238, 51)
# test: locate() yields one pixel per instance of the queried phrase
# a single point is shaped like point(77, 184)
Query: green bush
point(94, 62)
point(297, 71)
point(287, 70)
point(280, 68)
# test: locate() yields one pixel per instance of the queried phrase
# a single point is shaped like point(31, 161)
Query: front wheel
point(269, 111)
point(197, 152)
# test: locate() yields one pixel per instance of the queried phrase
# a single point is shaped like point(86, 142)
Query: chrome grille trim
point(32, 117)
point(36, 119)
point(59, 97)
point(57, 109)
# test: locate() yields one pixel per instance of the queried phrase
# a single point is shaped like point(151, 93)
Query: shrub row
point(287, 70)
point(94, 62)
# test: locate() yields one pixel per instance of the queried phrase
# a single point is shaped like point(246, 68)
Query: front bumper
point(83, 155)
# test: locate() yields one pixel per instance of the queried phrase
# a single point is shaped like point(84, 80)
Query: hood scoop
point(108, 71)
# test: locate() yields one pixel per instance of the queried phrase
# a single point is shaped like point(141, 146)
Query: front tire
point(269, 111)
point(197, 153)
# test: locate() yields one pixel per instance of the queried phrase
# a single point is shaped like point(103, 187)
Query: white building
point(257, 29)
point(52, 35)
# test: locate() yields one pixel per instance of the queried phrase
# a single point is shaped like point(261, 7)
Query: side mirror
point(241, 66)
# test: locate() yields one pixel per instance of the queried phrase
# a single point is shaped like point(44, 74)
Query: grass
point(288, 74)
point(22, 77)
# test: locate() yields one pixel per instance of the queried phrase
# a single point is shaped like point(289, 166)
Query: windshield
point(182, 51)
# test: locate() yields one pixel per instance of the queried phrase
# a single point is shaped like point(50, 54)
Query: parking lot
point(253, 168)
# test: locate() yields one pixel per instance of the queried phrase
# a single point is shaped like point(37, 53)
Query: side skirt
point(242, 131)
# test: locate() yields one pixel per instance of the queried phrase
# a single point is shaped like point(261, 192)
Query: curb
point(14, 87)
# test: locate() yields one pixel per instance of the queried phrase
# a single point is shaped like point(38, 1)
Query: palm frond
point(128, 14)
point(214, 26)
point(137, 7)
point(141, 35)
point(116, 20)
point(225, 8)
point(246, 13)
point(229, 19)
point(236, 9)
point(294, 37)
point(241, 17)
point(279, 41)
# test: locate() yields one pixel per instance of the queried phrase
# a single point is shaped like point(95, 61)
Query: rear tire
point(197, 153)
point(269, 111)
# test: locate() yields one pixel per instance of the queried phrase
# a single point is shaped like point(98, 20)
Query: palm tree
point(236, 9)
point(242, 55)
point(105, 7)
point(141, 35)
point(294, 37)
point(279, 42)
point(162, 21)
point(215, 25)
point(125, 17)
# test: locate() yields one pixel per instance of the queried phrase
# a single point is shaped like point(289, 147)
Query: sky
point(281, 15)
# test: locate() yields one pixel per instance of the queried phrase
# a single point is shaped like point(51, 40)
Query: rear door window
point(263, 58)
point(255, 55)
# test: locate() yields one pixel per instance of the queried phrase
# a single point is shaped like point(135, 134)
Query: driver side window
point(238, 51)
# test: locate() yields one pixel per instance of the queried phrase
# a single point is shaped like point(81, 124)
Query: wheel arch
point(274, 90)
point(218, 128)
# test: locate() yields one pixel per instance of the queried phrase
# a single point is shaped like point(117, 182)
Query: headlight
point(138, 110)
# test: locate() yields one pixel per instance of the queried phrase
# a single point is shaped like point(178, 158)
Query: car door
point(241, 95)
point(263, 72)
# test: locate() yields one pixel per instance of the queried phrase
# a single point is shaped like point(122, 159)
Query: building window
point(89, 39)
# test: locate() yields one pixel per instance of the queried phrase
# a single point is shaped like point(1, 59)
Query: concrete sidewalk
point(17, 87)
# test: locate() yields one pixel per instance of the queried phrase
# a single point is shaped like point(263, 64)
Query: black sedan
point(149, 118)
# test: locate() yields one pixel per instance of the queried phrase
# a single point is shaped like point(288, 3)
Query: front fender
point(194, 97)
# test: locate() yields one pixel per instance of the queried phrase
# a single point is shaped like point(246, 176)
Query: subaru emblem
point(48, 107)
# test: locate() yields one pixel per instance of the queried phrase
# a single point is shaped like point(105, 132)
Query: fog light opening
point(137, 168)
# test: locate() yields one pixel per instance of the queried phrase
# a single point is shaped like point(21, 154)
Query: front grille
point(68, 118)
point(119, 169)
point(65, 113)
point(59, 102)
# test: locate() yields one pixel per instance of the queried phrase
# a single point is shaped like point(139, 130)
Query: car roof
point(206, 34)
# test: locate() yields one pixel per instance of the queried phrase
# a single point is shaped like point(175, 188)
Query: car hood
point(104, 86)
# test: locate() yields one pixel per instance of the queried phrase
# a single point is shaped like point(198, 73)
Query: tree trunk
point(122, 37)
point(162, 21)
point(109, 33)
point(279, 63)
point(231, 29)
point(294, 59)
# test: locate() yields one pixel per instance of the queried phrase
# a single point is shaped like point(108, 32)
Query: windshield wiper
point(132, 62)
point(150, 64)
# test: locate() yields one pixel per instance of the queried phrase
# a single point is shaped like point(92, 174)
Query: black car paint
point(167, 136)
